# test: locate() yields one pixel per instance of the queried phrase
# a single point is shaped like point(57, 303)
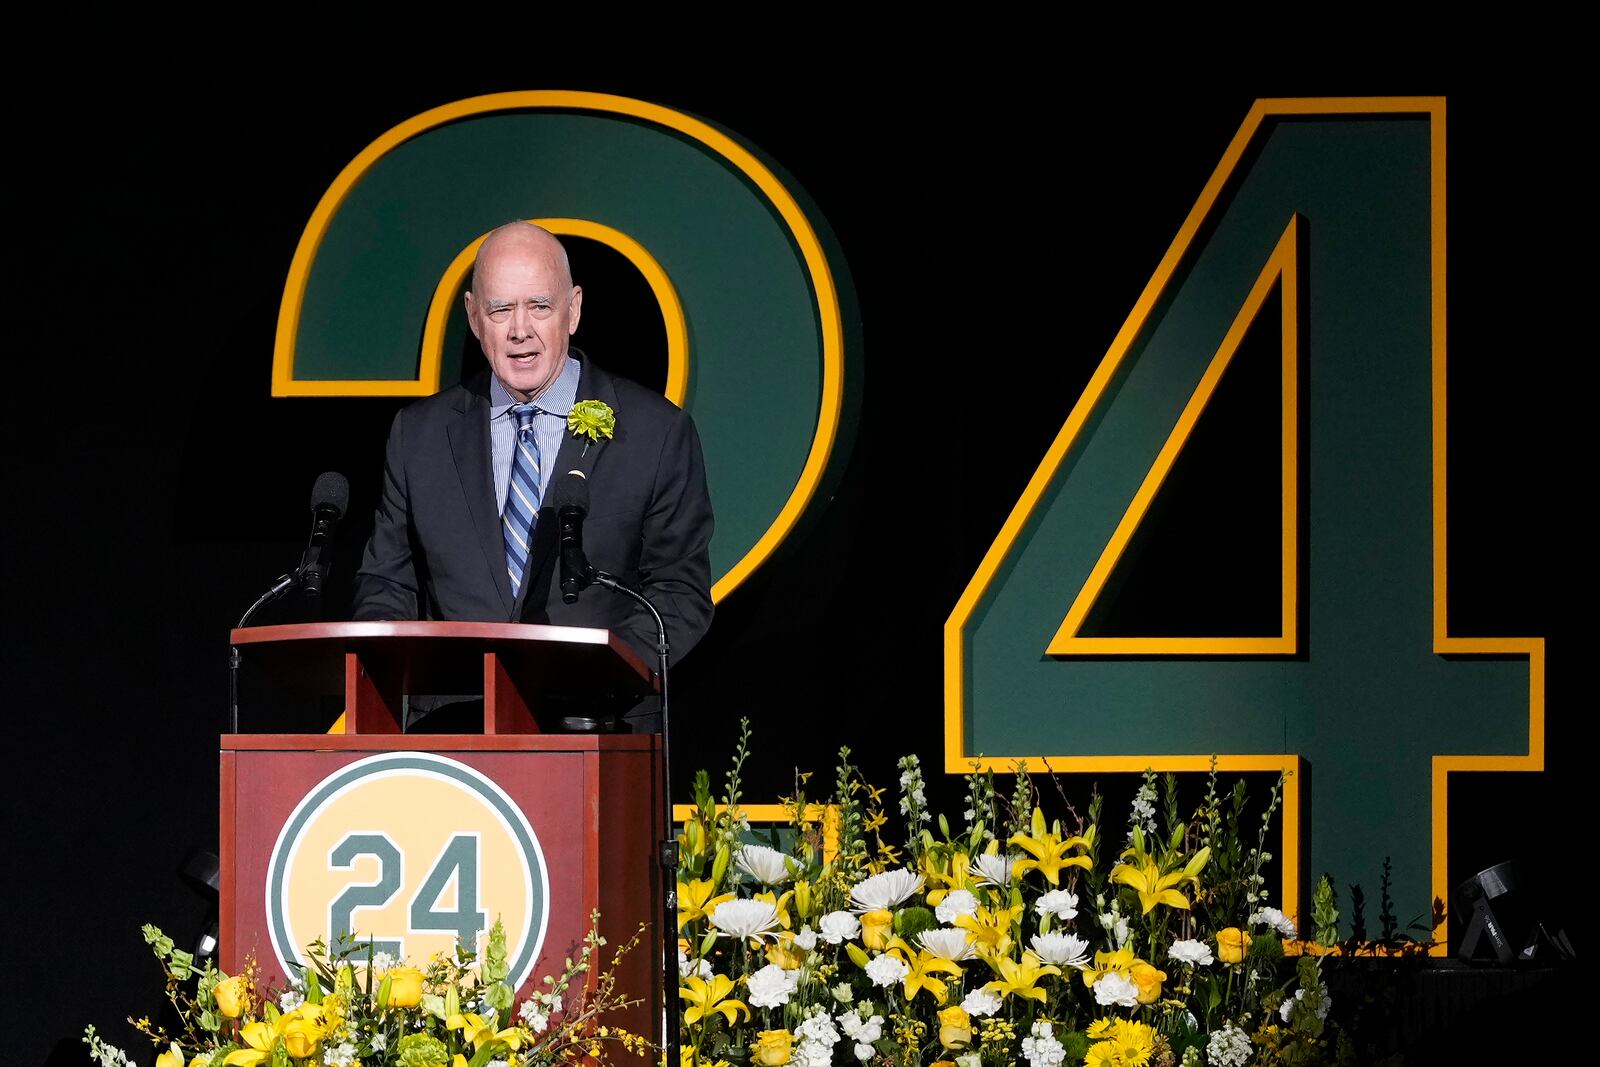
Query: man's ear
point(472, 319)
point(577, 310)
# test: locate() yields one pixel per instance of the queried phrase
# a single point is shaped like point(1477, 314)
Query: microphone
point(329, 497)
point(571, 501)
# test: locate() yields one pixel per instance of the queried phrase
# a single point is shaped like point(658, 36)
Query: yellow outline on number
point(956, 761)
point(830, 321)
point(1281, 266)
point(444, 301)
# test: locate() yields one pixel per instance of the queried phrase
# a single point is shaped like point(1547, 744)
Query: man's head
point(523, 307)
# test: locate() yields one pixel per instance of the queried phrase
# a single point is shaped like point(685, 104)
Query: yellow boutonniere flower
point(593, 419)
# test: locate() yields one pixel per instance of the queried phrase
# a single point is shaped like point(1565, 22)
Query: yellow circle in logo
point(406, 852)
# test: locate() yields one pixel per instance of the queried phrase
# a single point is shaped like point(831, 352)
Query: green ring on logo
point(536, 873)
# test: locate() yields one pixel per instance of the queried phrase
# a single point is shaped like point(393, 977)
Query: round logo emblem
point(411, 852)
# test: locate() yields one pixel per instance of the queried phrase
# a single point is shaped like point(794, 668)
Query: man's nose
point(521, 323)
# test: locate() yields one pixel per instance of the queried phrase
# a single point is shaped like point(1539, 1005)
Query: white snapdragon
point(1287, 1007)
point(340, 1055)
point(700, 968)
point(843, 993)
point(956, 902)
point(1116, 927)
point(1277, 920)
point(1042, 1049)
point(863, 1032)
point(816, 1037)
point(290, 999)
point(1228, 1047)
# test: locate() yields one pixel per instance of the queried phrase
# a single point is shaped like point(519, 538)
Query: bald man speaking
point(464, 530)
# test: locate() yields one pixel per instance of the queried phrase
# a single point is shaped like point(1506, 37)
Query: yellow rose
point(955, 1027)
point(773, 1048)
point(233, 996)
point(405, 987)
point(300, 1037)
point(1149, 980)
point(875, 927)
point(1232, 944)
point(172, 1058)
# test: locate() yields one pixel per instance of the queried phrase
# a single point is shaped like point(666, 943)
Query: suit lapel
point(593, 384)
point(469, 445)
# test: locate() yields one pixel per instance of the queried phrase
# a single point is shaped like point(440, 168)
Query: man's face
point(522, 312)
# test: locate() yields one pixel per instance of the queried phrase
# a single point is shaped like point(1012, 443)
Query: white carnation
point(771, 986)
point(1193, 953)
point(1058, 902)
point(837, 926)
point(806, 938)
point(956, 902)
point(885, 969)
point(1113, 990)
point(982, 1002)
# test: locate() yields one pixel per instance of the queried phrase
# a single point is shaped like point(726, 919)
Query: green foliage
point(1324, 912)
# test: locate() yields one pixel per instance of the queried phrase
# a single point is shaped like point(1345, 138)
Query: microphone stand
point(281, 586)
point(667, 855)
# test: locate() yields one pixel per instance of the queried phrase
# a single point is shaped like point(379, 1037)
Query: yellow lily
point(1154, 885)
point(943, 877)
point(695, 900)
point(173, 1057)
point(260, 1037)
point(707, 997)
point(477, 1030)
point(1020, 977)
point(990, 929)
point(923, 966)
point(1049, 850)
point(1118, 962)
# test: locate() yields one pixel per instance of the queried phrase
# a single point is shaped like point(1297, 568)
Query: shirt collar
point(557, 399)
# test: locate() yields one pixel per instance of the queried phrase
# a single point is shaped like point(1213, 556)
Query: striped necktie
point(522, 497)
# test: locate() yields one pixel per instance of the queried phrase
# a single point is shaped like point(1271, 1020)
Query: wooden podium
point(412, 840)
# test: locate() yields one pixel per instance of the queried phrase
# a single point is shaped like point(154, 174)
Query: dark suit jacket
point(437, 551)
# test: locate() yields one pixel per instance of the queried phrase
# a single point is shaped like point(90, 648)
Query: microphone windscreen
point(571, 490)
point(331, 490)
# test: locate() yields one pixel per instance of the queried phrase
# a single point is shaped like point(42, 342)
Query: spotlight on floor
point(1510, 916)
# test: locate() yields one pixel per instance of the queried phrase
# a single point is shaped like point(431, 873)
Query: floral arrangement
point(1018, 937)
point(356, 1008)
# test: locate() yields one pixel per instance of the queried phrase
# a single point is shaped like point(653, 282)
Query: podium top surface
point(447, 657)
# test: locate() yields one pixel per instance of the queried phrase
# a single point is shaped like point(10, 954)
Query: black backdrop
point(157, 488)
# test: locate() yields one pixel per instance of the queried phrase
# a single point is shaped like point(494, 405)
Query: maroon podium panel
point(411, 842)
